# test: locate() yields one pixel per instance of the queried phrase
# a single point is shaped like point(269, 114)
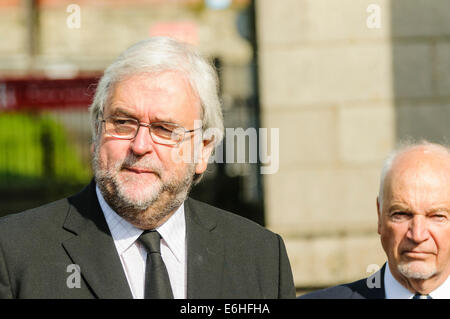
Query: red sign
point(16, 94)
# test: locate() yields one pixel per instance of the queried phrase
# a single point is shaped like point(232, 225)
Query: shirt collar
point(443, 291)
point(395, 290)
point(124, 234)
point(173, 232)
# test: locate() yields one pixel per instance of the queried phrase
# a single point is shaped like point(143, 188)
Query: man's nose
point(418, 229)
point(143, 142)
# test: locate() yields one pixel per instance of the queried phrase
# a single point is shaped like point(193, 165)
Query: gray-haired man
point(133, 232)
point(414, 226)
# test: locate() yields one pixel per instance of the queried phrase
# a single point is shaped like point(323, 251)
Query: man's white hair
point(403, 147)
point(158, 54)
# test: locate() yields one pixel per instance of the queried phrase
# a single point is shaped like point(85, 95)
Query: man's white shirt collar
point(125, 234)
point(395, 290)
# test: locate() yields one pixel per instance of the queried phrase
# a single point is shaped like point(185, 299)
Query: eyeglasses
point(161, 132)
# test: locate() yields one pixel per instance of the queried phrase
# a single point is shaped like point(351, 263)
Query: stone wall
point(14, 57)
point(343, 93)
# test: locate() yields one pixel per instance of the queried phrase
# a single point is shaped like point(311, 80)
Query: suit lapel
point(374, 292)
point(205, 255)
point(92, 247)
point(380, 293)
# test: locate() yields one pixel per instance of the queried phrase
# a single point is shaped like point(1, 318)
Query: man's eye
point(123, 122)
point(163, 128)
point(400, 216)
point(439, 217)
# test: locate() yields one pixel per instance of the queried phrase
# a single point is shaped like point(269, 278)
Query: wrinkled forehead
point(168, 80)
point(155, 86)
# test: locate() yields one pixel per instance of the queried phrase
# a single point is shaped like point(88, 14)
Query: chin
point(140, 192)
point(417, 270)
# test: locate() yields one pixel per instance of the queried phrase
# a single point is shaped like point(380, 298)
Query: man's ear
point(206, 149)
point(92, 148)
point(379, 212)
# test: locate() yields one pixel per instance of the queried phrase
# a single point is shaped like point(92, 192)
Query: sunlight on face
point(136, 174)
point(415, 221)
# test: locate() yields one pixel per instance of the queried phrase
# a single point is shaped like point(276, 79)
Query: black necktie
point(419, 296)
point(157, 283)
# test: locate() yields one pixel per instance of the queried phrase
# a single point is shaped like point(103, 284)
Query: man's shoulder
point(359, 289)
point(53, 213)
point(33, 218)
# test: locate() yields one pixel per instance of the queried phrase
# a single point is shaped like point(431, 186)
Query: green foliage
point(35, 147)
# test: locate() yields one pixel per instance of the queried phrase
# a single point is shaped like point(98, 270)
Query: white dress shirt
point(394, 290)
point(133, 254)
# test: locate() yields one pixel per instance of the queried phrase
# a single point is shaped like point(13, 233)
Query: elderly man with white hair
point(414, 226)
point(134, 232)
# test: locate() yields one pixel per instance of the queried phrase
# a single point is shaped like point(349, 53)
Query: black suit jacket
point(355, 290)
point(227, 256)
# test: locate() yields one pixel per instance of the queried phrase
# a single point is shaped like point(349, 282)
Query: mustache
point(132, 161)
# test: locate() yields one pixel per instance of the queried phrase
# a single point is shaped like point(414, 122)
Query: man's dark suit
point(355, 290)
point(227, 255)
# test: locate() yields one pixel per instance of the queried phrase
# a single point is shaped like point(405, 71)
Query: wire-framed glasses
point(161, 132)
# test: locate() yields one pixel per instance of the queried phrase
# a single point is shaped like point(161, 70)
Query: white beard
point(410, 270)
point(148, 203)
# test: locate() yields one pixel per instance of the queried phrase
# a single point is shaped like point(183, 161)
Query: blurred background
point(343, 81)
